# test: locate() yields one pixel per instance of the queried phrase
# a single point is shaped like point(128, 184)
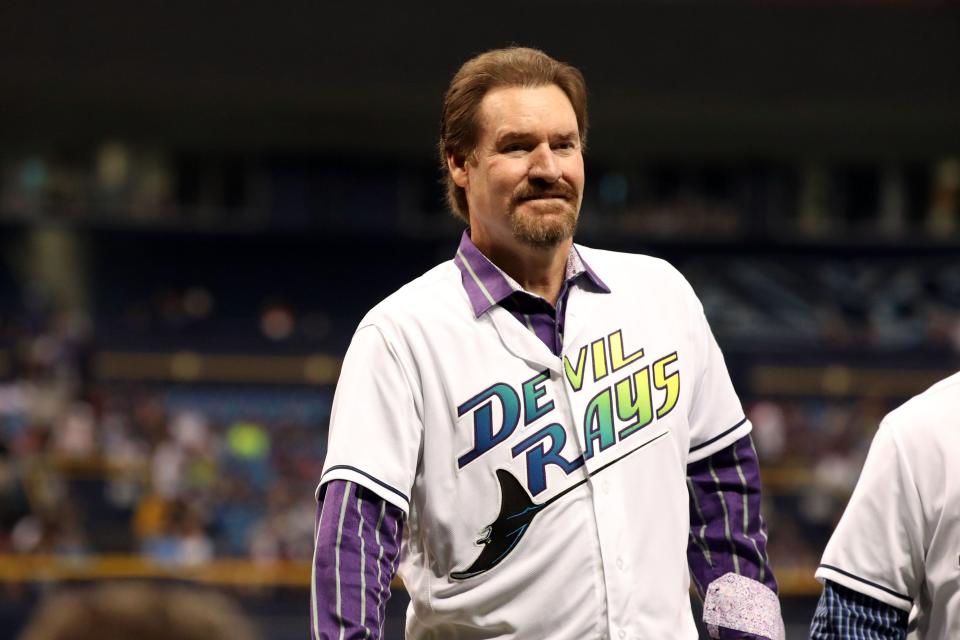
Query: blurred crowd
point(812, 451)
point(831, 304)
point(179, 475)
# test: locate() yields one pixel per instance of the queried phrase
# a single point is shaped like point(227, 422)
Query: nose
point(544, 164)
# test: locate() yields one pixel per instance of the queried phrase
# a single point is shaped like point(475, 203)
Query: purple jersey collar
point(487, 286)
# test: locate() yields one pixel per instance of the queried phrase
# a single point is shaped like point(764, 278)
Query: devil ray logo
point(517, 511)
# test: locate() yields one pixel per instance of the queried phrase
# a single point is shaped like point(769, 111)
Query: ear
point(457, 166)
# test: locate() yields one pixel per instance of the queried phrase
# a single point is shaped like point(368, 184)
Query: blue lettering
point(533, 390)
point(484, 437)
point(538, 458)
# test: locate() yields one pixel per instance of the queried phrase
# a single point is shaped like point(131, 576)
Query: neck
point(539, 270)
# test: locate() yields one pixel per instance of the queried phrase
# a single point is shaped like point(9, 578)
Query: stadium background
point(198, 202)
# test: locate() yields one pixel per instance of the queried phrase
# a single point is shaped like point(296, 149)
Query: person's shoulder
point(637, 274)
point(931, 415)
point(437, 292)
point(629, 267)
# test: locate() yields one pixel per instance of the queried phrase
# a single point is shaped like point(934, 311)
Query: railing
point(26, 569)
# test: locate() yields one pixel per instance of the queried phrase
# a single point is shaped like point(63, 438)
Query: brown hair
point(135, 611)
point(510, 67)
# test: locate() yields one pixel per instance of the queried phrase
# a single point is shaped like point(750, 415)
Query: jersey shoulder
point(930, 418)
point(631, 270)
point(437, 293)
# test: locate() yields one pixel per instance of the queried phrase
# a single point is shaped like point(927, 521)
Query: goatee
point(553, 218)
point(544, 229)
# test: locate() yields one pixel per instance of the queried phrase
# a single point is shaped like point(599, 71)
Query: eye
point(513, 147)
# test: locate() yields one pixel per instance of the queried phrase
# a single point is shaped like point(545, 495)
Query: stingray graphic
point(517, 511)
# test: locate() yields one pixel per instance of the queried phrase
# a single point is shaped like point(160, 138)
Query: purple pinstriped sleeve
point(727, 533)
point(355, 558)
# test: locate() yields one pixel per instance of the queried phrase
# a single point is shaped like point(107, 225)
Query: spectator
point(138, 612)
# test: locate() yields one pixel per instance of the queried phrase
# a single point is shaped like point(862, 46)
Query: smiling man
point(540, 437)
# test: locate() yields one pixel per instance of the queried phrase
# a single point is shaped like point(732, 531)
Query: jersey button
point(620, 563)
point(622, 633)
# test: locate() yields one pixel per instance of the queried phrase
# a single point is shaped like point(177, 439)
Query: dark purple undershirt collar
point(487, 286)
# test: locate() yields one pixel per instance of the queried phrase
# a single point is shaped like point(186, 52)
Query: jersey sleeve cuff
point(867, 587)
point(345, 472)
point(725, 438)
point(743, 605)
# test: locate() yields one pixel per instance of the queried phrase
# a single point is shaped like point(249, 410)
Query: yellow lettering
point(575, 372)
point(617, 359)
point(599, 359)
point(669, 383)
point(634, 402)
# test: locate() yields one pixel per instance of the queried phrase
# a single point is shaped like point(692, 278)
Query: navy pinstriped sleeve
point(845, 614)
point(356, 554)
point(727, 533)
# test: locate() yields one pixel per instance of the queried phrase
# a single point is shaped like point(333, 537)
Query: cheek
point(576, 179)
point(504, 178)
point(573, 169)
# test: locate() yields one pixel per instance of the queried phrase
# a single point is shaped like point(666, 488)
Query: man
point(549, 429)
point(893, 562)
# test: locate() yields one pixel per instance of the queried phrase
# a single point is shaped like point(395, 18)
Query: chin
point(547, 228)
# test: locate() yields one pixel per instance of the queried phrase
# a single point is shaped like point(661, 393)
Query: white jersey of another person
point(898, 541)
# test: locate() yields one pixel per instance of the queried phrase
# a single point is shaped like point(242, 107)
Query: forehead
point(545, 109)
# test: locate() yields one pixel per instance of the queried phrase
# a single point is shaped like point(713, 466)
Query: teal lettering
point(533, 390)
point(484, 435)
point(633, 401)
point(539, 457)
point(598, 423)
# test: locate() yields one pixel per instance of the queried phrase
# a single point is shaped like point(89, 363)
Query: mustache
point(558, 190)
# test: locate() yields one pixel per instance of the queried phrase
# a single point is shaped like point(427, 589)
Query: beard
point(547, 222)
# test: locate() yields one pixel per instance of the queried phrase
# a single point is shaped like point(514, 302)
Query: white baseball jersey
point(899, 538)
point(545, 496)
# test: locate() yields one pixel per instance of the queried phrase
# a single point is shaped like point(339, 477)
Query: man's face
point(524, 181)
